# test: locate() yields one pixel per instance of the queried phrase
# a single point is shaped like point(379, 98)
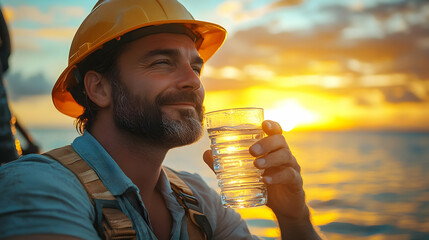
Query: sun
point(290, 113)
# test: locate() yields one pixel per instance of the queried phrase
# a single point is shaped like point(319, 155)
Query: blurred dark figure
point(31, 146)
point(8, 150)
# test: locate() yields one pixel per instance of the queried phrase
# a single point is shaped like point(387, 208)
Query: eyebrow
point(172, 53)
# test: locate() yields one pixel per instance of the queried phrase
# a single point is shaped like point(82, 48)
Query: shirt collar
point(163, 184)
point(103, 164)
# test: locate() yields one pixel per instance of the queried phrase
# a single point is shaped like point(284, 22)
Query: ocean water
point(359, 185)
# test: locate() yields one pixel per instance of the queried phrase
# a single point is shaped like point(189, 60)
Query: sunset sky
point(312, 65)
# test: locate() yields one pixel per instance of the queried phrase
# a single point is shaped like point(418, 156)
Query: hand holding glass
point(231, 133)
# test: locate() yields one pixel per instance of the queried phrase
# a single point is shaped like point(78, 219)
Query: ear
point(98, 88)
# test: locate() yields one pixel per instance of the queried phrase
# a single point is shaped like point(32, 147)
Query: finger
point(208, 159)
point(281, 157)
point(287, 176)
point(268, 144)
point(271, 127)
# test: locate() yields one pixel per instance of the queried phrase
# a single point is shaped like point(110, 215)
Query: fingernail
point(268, 179)
point(260, 162)
point(268, 124)
point(257, 148)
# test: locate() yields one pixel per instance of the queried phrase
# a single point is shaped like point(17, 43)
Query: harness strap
point(198, 224)
point(112, 223)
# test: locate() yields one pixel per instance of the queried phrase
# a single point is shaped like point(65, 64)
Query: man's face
point(158, 95)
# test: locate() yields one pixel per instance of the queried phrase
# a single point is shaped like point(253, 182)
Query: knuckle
point(297, 178)
point(295, 163)
point(286, 152)
point(280, 138)
point(300, 182)
point(298, 168)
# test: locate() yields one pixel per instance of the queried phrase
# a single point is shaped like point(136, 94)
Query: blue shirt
point(40, 196)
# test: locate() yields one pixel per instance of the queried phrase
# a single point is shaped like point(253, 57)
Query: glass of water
point(231, 133)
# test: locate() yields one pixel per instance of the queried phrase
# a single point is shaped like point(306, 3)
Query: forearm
point(297, 229)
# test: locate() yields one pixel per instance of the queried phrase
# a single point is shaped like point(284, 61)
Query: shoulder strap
point(111, 222)
point(198, 224)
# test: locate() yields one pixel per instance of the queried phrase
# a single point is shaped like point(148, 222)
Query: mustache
point(173, 97)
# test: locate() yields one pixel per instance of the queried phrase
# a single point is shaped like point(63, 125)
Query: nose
point(189, 79)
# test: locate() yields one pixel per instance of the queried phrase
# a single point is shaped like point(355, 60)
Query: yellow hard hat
point(111, 19)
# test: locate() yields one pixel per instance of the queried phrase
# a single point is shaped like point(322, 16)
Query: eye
point(161, 62)
point(197, 70)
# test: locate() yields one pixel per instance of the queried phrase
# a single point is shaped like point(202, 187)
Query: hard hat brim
point(212, 35)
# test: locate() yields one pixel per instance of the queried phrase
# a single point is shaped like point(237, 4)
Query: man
point(8, 150)
point(133, 84)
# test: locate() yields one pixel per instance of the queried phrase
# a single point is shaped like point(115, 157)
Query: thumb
point(208, 159)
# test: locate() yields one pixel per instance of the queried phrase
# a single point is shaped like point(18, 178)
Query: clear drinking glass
point(231, 133)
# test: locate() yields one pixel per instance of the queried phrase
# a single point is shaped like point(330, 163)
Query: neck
point(138, 158)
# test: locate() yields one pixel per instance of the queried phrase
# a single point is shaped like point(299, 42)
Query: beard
point(145, 119)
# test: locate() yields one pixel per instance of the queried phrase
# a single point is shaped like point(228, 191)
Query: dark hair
point(103, 61)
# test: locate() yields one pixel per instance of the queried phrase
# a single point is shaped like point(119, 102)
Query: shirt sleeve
point(226, 223)
point(40, 196)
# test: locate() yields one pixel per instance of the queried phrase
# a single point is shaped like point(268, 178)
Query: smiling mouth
point(182, 104)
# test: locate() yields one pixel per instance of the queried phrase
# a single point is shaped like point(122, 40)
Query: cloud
point(56, 34)
point(399, 95)
point(69, 11)
point(407, 9)
point(241, 11)
point(8, 13)
point(403, 41)
point(22, 86)
point(29, 13)
point(33, 14)
point(228, 8)
point(381, 19)
point(369, 97)
point(325, 57)
point(284, 3)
